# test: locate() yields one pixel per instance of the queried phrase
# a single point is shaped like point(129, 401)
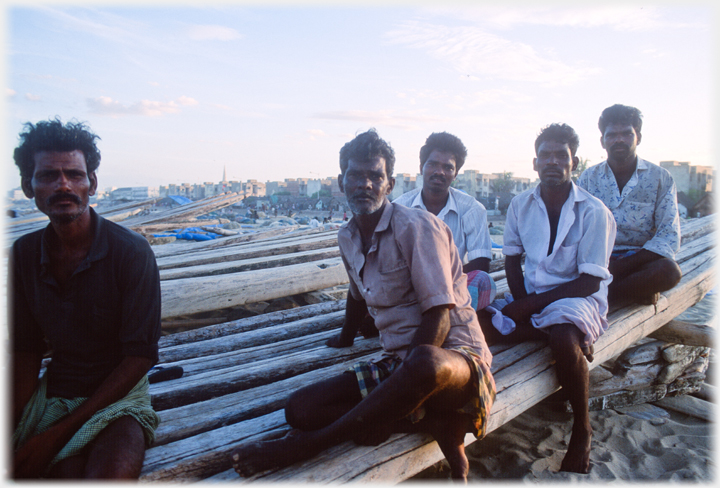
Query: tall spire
point(224, 177)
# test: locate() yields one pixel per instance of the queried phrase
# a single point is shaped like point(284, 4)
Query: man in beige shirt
point(434, 375)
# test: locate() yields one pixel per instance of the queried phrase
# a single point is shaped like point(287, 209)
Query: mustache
point(619, 145)
point(59, 197)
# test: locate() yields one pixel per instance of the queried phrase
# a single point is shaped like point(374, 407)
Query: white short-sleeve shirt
point(466, 217)
point(584, 241)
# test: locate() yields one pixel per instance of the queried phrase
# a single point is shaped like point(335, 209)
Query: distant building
point(405, 182)
point(131, 193)
point(690, 178)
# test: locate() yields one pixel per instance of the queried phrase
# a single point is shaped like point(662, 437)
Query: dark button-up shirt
point(109, 308)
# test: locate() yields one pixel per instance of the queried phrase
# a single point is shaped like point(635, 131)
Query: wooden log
point(252, 264)
point(248, 250)
point(688, 405)
point(203, 386)
point(189, 420)
point(680, 332)
point(269, 335)
point(251, 323)
point(191, 295)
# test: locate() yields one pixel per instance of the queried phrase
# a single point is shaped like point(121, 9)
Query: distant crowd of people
point(85, 292)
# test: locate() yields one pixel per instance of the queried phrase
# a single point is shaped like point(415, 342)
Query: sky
point(178, 93)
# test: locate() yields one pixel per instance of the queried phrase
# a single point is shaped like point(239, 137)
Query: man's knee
point(670, 272)
point(428, 365)
point(118, 451)
point(565, 340)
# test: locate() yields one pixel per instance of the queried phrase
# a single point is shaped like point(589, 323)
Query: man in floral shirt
point(643, 199)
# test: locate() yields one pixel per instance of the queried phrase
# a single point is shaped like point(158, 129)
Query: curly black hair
point(620, 114)
point(52, 135)
point(561, 133)
point(366, 146)
point(445, 142)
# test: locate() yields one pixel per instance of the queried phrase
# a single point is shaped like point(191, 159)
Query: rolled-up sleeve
point(666, 241)
point(597, 242)
point(512, 245)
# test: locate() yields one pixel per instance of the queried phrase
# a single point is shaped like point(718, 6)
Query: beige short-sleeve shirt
point(411, 266)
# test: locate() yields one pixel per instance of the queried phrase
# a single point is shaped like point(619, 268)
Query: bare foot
point(256, 457)
point(577, 459)
point(449, 433)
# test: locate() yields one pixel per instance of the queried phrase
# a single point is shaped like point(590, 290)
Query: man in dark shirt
point(86, 292)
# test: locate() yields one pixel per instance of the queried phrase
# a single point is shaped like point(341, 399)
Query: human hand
point(518, 311)
point(33, 458)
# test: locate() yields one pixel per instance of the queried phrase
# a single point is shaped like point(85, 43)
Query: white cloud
point(153, 83)
point(213, 33)
point(183, 100)
point(147, 108)
point(31, 97)
point(10, 92)
point(473, 51)
point(618, 17)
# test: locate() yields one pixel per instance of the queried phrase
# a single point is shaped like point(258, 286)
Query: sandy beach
point(634, 444)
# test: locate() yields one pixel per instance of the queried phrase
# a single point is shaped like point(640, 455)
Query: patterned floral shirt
point(646, 212)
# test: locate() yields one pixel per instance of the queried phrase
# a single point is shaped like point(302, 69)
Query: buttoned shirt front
point(646, 212)
point(466, 217)
point(411, 267)
point(584, 241)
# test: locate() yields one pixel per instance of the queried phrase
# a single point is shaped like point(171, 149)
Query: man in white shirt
point(567, 236)
point(441, 158)
point(643, 200)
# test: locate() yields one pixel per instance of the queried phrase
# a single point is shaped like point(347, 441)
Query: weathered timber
point(524, 375)
point(275, 234)
point(200, 294)
point(206, 385)
point(690, 406)
point(189, 420)
point(251, 323)
point(248, 250)
point(268, 335)
point(680, 332)
point(252, 264)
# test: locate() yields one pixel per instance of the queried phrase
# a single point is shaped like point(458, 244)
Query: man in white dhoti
point(567, 236)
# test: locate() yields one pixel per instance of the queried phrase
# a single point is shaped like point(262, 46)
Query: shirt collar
point(450, 205)
point(98, 249)
point(575, 193)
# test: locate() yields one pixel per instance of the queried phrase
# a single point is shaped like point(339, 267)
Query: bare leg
point(118, 451)
point(572, 371)
point(645, 284)
point(427, 372)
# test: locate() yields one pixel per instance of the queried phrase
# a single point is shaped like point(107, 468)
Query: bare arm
point(514, 275)
point(26, 368)
point(355, 311)
point(481, 264)
point(37, 453)
point(434, 327)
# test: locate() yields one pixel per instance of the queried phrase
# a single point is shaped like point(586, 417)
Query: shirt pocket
point(564, 261)
point(395, 284)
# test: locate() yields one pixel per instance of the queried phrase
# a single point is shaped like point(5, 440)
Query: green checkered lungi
point(41, 413)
